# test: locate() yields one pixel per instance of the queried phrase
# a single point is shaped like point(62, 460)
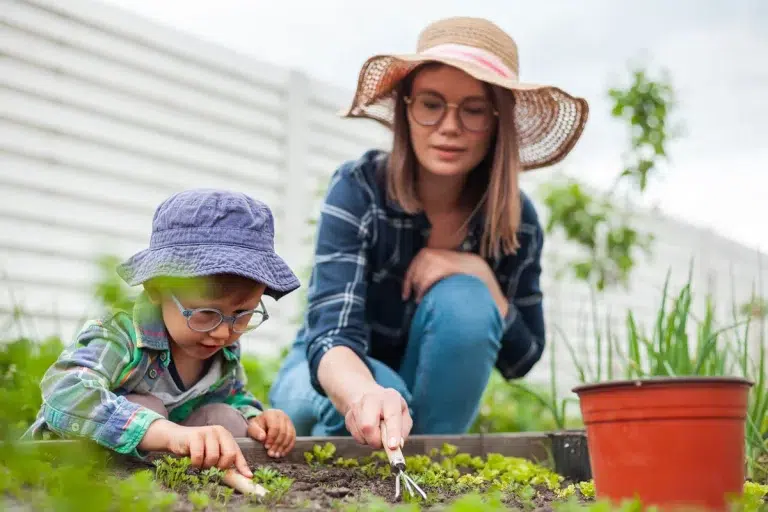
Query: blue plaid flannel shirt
point(365, 243)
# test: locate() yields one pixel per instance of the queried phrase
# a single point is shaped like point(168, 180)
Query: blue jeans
point(453, 343)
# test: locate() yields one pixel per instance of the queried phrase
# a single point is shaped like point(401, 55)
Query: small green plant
point(174, 473)
point(177, 475)
point(320, 454)
point(272, 480)
point(210, 476)
point(199, 500)
point(449, 450)
point(223, 495)
point(752, 499)
point(566, 492)
point(587, 489)
point(346, 463)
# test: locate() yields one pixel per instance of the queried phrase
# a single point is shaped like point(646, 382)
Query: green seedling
point(199, 500)
point(346, 463)
point(320, 455)
point(587, 489)
point(448, 450)
point(223, 495)
point(753, 499)
point(277, 484)
point(174, 474)
point(210, 476)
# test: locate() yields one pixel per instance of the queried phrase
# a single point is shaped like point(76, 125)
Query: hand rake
point(397, 461)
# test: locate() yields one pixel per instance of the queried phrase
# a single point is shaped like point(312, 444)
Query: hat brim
point(205, 260)
point(549, 120)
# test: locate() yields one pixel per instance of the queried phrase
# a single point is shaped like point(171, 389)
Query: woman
point(427, 261)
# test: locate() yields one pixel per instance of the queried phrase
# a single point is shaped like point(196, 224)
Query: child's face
point(203, 345)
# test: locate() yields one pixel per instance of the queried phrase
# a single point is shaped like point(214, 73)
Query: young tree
point(592, 221)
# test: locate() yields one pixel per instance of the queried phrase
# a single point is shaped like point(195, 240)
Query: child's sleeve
point(242, 399)
point(77, 390)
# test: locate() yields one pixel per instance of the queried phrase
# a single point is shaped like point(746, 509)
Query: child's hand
point(207, 446)
point(275, 429)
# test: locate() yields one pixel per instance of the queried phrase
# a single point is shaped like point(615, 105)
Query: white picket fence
point(103, 114)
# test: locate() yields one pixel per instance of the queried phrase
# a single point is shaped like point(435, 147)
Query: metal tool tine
point(415, 485)
point(397, 486)
point(407, 483)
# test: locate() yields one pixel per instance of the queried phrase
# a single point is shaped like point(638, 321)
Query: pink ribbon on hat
point(473, 55)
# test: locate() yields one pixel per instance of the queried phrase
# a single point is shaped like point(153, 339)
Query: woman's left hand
point(431, 265)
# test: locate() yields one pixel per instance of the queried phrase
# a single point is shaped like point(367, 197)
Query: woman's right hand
point(365, 414)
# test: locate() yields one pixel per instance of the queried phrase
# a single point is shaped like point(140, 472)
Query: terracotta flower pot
point(668, 441)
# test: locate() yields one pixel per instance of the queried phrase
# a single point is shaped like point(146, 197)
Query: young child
point(168, 376)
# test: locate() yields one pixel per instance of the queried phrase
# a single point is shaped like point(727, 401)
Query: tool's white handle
point(394, 455)
point(239, 482)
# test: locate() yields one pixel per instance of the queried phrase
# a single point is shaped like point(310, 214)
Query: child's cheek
point(182, 335)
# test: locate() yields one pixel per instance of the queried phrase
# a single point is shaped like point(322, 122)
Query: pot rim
point(660, 380)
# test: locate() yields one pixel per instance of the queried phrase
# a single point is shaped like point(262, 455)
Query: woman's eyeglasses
point(429, 109)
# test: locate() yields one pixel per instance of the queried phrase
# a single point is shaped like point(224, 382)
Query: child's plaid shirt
point(84, 390)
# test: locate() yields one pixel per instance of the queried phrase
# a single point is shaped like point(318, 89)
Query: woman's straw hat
point(549, 120)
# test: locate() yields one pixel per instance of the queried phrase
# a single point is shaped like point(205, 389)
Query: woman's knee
point(151, 402)
point(462, 308)
point(219, 414)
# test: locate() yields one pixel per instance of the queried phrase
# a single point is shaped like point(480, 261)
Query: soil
point(335, 488)
point(325, 488)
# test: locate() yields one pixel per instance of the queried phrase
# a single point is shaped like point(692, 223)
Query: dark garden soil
point(329, 488)
point(325, 488)
point(346, 489)
point(337, 488)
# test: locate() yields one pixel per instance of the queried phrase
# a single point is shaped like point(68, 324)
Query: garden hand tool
point(397, 461)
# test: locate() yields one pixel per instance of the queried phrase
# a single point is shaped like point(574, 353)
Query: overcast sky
point(716, 51)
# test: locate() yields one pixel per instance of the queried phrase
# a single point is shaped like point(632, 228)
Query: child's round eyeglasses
point(208, 319)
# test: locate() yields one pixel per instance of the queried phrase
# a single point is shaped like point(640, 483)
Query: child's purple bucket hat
point(201, 232)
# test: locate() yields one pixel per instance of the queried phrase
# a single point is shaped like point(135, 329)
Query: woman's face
point(451, 120)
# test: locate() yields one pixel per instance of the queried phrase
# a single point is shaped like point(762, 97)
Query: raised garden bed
point(338, 473)
point(331, 473)
point(477, 472)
